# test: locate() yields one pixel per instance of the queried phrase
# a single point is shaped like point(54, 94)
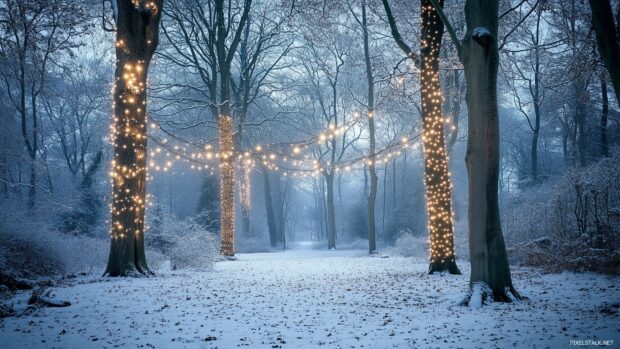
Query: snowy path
point(309, 299)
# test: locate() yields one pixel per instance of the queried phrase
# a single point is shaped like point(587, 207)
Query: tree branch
point(448, 25)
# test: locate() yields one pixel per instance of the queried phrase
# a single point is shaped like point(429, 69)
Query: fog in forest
point(465, 138)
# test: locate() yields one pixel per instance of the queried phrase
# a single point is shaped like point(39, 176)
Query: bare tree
point(229, 75)
point(370, 101)
point(74, 106)
point(527, 56)
point(33, 35)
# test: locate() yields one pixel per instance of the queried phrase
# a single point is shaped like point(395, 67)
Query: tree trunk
point(607, 39)
point(32, 192)
point(534, 151)
point(455, 111)
point(246, 196)
point(603, 124)
point(331, 211)
point(279, 203)
point(323, 210)
point(225, 48)
point(385, 167)
point(136, 39)
point(580, 120)
point(271, 218)
point(536, 98)
point(372, 196)
point(227, 187)
point(365, 170)
point(437, 178)
point(479, 54)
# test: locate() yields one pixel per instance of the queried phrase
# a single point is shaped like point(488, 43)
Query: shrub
point(573, 224)
point(409, 245)
point(185, 242)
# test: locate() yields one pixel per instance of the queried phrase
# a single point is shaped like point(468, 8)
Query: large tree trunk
point(136, 39)
point(372, 196)
point(331, 211)
point(227, 186)
point(437, 178)
point(479, 54)
point(225, 48)
point(607, 39)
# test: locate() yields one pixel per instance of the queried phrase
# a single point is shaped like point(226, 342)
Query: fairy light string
point(227, 177)
point(129, 166)
point(437, 175)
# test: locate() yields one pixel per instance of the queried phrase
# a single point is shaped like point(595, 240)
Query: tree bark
point(607, 39)
point(437, 178)
point(279, 207)
point(271, 218)
point(537, 102)
point(246, 197)
point(331, 211)
point(372, 196)
point(137, 36)
point(225, 49)
point(455, 110)
point(603, 124)
point(227, 186)
point(580, 120)
point(479, 54)
point(385, 168)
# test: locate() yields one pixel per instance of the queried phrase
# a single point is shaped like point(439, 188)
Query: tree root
point(480, 294)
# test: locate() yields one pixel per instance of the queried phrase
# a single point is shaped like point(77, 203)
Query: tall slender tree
point(137, 36)
point(370, 100)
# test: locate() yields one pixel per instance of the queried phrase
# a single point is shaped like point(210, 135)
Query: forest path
point(316, 298)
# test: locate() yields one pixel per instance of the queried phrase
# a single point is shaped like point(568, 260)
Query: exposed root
point(136, 272)
point(480, 294)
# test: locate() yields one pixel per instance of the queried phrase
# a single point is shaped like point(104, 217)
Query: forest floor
point(310, 299)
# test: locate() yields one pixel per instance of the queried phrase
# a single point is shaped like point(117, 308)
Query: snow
point(310, 299)
point(481, 32)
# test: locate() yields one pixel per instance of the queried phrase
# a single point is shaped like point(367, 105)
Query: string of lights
point(227, 193)
point(437, 175)
point(128, 135)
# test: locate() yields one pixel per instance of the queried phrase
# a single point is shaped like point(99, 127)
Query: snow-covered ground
point(309, 299)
